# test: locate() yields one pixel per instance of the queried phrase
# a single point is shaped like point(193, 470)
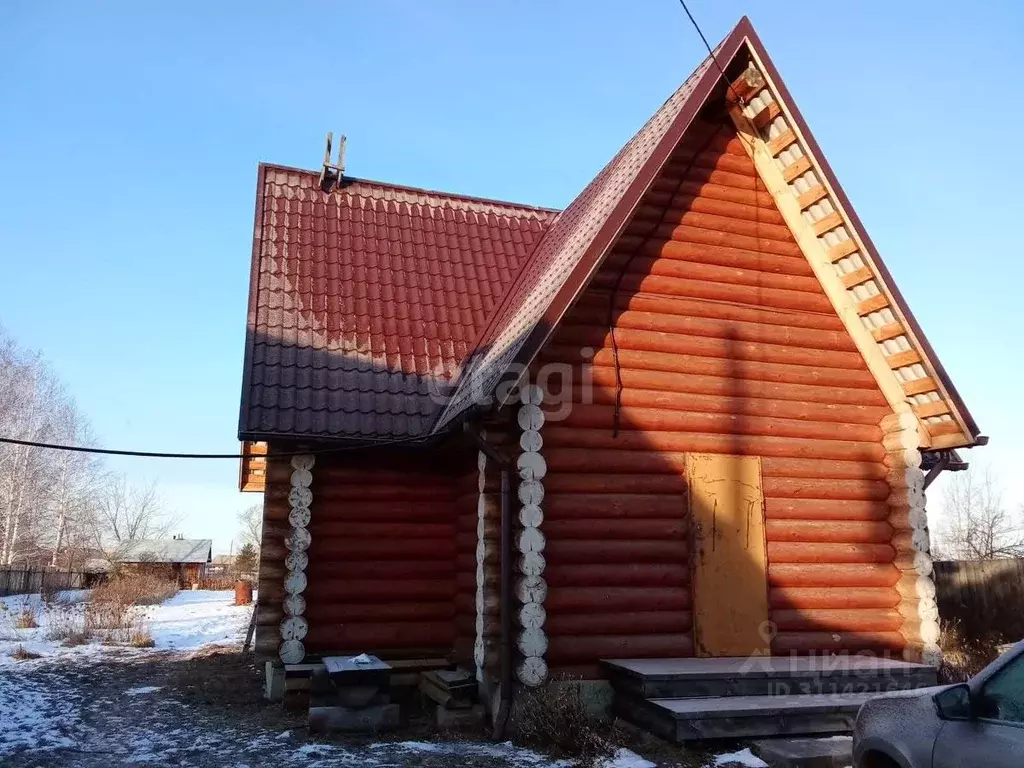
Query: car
point(977, 723)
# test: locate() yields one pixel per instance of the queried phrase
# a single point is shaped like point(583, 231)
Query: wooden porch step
point(764, 676)
point(728, 717)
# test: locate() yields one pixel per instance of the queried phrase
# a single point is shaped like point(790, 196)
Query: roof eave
point(250, 319)
point(757, 47)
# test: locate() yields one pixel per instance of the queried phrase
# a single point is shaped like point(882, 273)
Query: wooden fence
point(15, 581)
point(982, 595)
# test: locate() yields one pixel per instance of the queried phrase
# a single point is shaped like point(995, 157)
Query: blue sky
point(130, 134)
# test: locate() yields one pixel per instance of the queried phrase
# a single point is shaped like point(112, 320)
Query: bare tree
point(977, 525)
point(251, 521)
point(126, 513)
point(43, 493)
point(74, 490)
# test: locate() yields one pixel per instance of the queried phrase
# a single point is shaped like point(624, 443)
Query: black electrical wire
point(342, 449)
point(618, 282)
point(162, 455)
point(625, 266)
point(711, 52)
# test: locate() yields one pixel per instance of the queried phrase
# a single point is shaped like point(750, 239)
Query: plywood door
point(730, 582)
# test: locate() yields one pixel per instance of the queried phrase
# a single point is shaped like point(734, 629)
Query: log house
point(710, 404)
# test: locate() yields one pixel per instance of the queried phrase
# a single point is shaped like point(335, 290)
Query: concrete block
point(473, 717)
point(834, 752)
point(357, 696)
point(384, 717)
point(273, 683)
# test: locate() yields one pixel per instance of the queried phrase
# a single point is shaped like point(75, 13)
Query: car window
point(1002, 698)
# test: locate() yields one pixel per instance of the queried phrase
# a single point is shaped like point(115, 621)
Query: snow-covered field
point(188, 621)
point(99, 705)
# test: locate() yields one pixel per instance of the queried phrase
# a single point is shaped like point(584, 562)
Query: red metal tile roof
point(382, 312)
point(365, 299)
point(574, 245)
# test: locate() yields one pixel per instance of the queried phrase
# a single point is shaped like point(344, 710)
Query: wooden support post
point(300, 498)
point(531, 588)
point(909, 522)
point(487, 646)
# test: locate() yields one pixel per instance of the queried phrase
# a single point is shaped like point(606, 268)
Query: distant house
point(183, 559)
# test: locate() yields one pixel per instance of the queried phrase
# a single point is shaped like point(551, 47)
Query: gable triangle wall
point(726, 344)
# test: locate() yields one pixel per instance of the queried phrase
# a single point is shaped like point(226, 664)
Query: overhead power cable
point(344, 448)
point(711, 52)
point(163, 455)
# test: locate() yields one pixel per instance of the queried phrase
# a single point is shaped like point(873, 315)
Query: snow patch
point(189, 621)
point(744, 757)
point(507, 752)
point(36, 720)
point(142, 690)
point(193, 619)
point(624, 758)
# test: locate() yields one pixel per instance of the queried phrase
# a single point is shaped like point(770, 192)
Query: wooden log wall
point(726, 343)
point(466, 502)
point(486, 555)
point(382, 558)
point(531, 586)
point(918, 607)
point(270, 593)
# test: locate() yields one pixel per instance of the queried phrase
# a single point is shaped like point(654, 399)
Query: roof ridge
point(419, 190)
point(624, 189)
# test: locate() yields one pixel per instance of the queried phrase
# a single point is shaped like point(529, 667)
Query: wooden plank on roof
point(764, 118)
point(857, 277)
point(960, 440)
point(746, 86)
point(811, 196)
point(777, 182)
point(780, 142)
point(920, 386)
point(875, 303)
point(830, 222)
point(889, 331)
point(842, 250)
point(797, 168)
point(937, 428)
point(934, 408)
point(902, 359)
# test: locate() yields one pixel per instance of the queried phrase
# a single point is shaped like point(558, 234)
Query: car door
point(994, 736)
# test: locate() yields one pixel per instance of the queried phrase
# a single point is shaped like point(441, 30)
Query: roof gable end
point(575, 243)
point(833, 238)
point(822, 220)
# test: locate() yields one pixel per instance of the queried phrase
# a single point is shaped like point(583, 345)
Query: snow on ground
point(744, 757)
point(74, 706)
point(197, 618)
point(142, 690)
point(190, 620)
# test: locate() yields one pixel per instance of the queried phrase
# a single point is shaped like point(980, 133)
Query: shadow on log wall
point(724, 342)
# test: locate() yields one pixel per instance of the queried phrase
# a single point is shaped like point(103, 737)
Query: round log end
point(532, 671)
